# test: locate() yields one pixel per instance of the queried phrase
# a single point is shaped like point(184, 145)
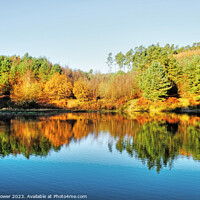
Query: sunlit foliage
point(27, 88)
point(154, 72)
point(58, 87)
point(81, 90)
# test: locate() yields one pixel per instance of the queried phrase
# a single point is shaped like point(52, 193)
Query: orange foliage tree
point(26, 88)
point(81, 90)
point(58, 87)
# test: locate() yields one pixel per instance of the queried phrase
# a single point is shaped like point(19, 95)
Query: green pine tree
point(193, 71)
point(154, 82)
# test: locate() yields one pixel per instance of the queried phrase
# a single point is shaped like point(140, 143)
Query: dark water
point(103, 156)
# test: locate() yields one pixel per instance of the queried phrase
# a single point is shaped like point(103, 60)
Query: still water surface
point(103, 156)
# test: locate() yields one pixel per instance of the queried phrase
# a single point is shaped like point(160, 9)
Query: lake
point(100, 156)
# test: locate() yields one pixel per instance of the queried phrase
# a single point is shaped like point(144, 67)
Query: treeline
point(155, 73)
point(139, 57)
point(31, 81)
point(162, 72)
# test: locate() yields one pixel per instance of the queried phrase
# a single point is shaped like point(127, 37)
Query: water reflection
point(156, 140)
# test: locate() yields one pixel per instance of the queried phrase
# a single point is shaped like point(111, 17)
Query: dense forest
point(142, 77)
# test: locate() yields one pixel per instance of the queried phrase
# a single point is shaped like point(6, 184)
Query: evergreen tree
point(55, 68)
point(110, 62)
point(120, 58)
point(139, 58)
point(5, 65)
point(4, 83)
point(129, 59)
point(154, 82)
point(193, 71)
point(174, 70)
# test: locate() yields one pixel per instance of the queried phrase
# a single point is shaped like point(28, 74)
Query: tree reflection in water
point(155, 140)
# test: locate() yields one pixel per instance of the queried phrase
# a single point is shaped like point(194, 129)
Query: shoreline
point(47, 111)
point(17, 111)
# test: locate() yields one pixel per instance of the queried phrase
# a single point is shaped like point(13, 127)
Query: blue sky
point(81, 33)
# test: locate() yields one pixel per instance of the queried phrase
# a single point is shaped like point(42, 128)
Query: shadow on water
point(156, 140)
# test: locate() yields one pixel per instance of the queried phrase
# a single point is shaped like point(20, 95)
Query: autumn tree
point(81, 90)
point(93, 84)
point(118, 86)
point(58, 87)
point(27, 89)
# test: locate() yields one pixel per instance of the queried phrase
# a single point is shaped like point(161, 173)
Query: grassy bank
point(176, 105)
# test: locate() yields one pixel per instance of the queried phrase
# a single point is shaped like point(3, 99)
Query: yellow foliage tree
point(81, 90)
point(58, 87)
point(27, 88)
